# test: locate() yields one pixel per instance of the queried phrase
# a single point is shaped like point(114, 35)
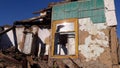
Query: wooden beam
point(43, 10)
point(28, 20)
point(114, 45)
point(5, 31)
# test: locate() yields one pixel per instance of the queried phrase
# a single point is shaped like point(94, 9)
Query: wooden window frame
point(54, 24)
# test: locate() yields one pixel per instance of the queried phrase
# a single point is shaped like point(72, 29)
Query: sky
point(14, 10)
point(117, 7)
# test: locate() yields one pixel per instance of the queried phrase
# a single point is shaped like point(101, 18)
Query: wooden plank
point(114, 45)
point(28, 20)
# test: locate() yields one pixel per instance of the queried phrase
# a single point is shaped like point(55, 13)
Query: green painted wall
point(90, 8)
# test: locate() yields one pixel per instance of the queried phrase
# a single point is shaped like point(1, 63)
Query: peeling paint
point(87, 25)
point(92, 47)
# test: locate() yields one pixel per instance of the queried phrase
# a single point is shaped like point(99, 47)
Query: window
point(65, 38)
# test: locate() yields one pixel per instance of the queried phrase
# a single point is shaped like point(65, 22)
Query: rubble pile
point(12, 58)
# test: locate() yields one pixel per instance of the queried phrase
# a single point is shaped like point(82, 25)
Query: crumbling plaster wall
point(94, 38)
point(94, 42)
point(98, 42)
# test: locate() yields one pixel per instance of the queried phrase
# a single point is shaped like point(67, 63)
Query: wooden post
point(114, 46)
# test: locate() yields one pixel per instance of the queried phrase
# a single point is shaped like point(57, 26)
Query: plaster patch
point(86, 24)
point(92, 48)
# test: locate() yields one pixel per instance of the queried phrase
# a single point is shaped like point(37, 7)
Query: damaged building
point(67, 34)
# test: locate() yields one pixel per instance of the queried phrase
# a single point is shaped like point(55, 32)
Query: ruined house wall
point(94, 42)
point(97, 37)
point(24, 41)
point(38, 39)
point(97, 41)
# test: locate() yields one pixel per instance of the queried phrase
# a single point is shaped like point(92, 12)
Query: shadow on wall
point(5, 41)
